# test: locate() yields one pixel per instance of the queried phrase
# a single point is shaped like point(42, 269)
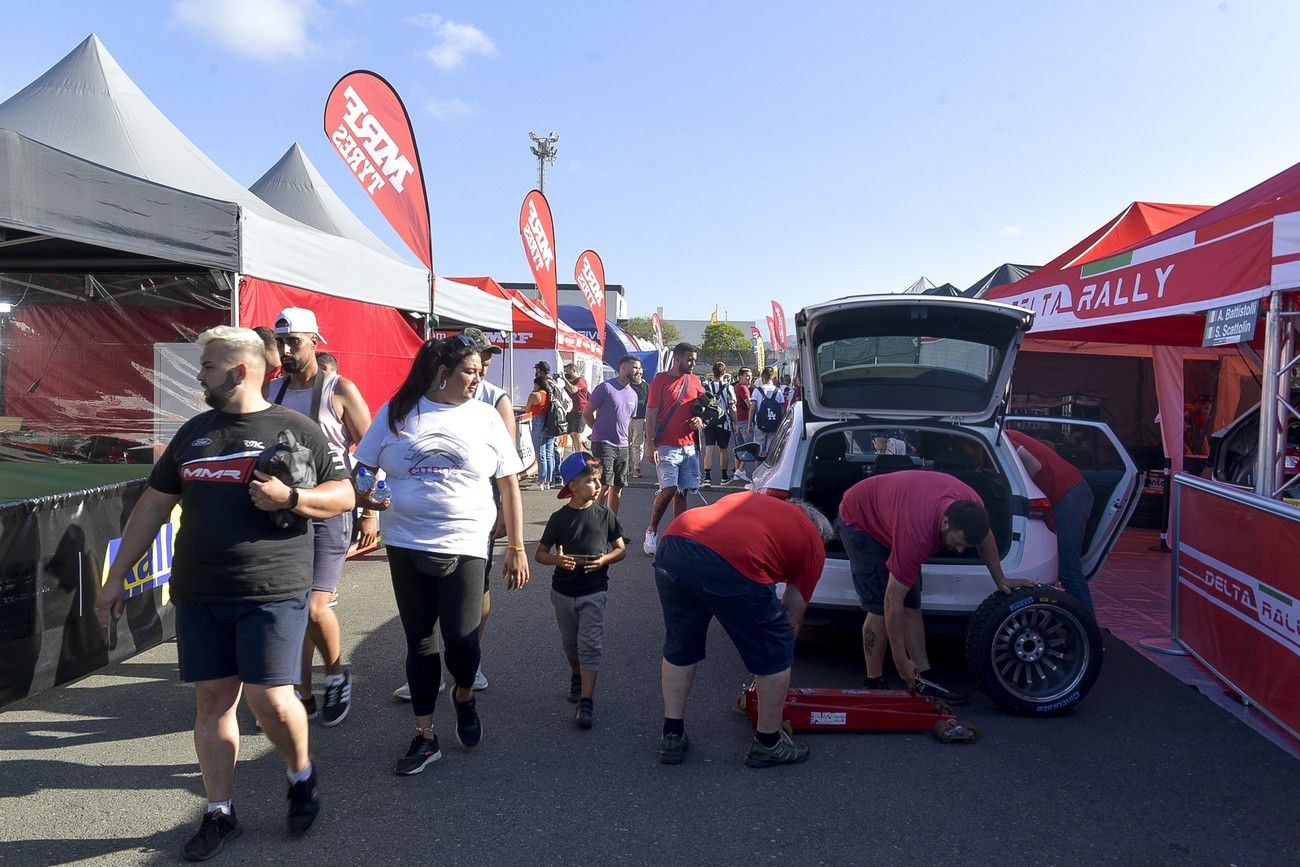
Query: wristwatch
point(293, 499)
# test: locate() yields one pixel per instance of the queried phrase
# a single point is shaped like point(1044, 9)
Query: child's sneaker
point(583, 715)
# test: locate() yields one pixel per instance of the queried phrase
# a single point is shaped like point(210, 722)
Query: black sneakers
point(338, 699)
point(583, 715)
point(672, 749)
point(304, 804)
point(217, 830)
point(929, 686)
point(575, 688)
point(423, 752)
point(469, 730)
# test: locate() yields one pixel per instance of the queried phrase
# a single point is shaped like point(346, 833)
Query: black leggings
point(432, 589)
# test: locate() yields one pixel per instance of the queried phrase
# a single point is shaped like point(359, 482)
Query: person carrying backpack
point(717, 436)
point(766, 409)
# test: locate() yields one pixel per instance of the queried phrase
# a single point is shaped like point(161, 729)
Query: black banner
point(54, 552)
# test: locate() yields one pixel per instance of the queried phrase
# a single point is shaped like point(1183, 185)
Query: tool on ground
point(864, 710)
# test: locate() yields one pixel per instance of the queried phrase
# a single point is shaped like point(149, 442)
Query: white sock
point(223, 806)
point(300, 776)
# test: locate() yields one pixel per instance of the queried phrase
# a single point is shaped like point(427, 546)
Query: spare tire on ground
point(1035, 651)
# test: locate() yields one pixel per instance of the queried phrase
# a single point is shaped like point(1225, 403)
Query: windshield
point(941, 374)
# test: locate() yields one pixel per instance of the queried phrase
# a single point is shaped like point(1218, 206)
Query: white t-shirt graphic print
point(437, 467)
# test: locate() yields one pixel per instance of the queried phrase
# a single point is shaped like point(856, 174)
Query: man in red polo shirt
point(724, 560)
point(1071, 500)
point(891, 524)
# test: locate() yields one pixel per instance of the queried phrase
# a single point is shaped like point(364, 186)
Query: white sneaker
point(403, 692)
point(480, 680)
point(742, 475)
point(651, 543)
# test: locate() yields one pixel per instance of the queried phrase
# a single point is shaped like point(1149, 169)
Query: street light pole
point(544, 150)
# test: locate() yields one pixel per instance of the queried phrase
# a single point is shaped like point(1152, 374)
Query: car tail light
point(779, 493)
point(1040, 508)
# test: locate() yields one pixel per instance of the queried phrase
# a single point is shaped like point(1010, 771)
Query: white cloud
point(449, 109)
point(454, 41)
point(1011, 232)
point(266, 30)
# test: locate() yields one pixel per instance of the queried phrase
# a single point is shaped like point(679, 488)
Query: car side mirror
point(747, 453)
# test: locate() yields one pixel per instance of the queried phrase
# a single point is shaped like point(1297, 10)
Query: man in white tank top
point(337, 406)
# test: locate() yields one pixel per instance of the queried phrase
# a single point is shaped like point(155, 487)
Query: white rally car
point(921, 382)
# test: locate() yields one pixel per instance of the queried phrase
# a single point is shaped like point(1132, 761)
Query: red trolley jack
point(864, 710)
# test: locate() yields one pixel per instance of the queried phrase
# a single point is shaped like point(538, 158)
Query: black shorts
point(575, 422)
point(260, 642)
point(613, 463)
point(696, 585)
point(717, 436)
point(869, 563)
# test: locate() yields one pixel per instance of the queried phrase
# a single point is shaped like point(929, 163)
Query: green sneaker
point(786, 752)
point(672, 749)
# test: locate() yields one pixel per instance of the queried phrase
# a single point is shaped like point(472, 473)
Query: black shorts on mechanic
point(695, 586)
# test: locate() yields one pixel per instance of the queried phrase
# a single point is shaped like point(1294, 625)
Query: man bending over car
point(891, 524)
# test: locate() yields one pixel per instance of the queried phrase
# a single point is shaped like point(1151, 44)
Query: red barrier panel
point(1236, 609)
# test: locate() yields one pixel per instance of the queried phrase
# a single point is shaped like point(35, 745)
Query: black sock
point(769, 739)
point(674, 726)
point(586, 702)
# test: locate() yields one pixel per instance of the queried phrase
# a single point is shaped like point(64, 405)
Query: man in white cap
point(337, 406)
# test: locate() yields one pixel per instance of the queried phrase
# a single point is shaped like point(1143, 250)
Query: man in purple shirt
point(608, 413)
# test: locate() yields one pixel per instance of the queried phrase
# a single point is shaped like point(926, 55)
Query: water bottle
point(381, 495)
point(364, 480)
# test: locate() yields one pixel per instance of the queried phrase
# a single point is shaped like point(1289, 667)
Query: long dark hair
point(432, 357)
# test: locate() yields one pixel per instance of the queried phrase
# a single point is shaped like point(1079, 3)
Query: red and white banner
point(538, 233)
point(658, 325)
point(1239, 593)
point(771, 333)
point(589, 274)
point(778, 321)
point(368, 125)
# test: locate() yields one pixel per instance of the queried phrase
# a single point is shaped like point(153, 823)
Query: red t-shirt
point(901, 511)
point(1057, 475)
point(766, 539)
point(665, 390)
point(742, 402)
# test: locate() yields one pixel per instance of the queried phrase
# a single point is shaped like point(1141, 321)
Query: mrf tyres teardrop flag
point(658, 325)
point(778, 319)
point(771, 333)
point(589, 274)
point(538, 233)
point(371, 131)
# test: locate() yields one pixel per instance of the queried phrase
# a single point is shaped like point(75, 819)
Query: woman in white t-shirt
point(437, 447)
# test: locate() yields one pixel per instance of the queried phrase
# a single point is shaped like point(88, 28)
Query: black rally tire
point(1035, 651)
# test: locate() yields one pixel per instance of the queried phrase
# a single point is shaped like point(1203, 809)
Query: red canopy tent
point(534, 326)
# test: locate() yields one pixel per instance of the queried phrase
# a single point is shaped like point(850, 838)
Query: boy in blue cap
point(586, 538)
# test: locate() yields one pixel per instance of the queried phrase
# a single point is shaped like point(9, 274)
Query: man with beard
point(671, 433)
point(337, 406)
point(609, 414)
point(239, 582)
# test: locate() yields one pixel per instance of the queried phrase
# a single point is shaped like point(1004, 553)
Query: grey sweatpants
point(582, 625)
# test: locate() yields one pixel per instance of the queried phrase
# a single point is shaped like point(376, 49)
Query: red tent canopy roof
point(1136, 223)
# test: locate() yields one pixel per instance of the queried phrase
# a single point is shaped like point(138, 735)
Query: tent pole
point(234, 298)
point(1266, 457)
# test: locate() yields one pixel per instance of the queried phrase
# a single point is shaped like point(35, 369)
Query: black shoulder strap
point(317, 390)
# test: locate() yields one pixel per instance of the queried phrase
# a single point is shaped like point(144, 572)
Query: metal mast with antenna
point(545, 153)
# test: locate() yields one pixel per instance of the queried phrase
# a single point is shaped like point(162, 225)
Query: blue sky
point(730, 153)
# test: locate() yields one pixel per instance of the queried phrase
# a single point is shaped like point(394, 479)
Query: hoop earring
point(442, 385)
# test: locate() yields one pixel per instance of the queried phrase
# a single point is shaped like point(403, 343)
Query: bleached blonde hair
point(242, 344)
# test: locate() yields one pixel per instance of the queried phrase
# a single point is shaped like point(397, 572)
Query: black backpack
point(556, 423)
point(767, 417)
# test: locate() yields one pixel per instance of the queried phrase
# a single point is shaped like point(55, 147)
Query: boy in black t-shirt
point(587, 538)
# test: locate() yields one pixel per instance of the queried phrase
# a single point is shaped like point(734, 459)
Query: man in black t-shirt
point(239, 583)
point(587, 538)
point(636, 428)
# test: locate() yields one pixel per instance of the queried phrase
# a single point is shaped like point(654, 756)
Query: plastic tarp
point(87, 106)
point(999, 276)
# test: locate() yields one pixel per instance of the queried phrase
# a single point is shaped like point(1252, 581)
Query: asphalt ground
point(1145, 770)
